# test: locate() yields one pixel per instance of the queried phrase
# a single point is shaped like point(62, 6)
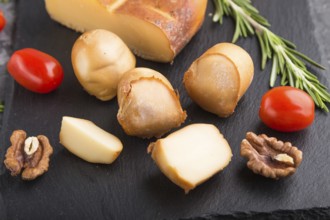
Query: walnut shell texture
point(32, 165)
point(270, 157)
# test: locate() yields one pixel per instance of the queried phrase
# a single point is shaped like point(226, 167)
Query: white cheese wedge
point(154, 30)
point(89, 142)
point(191, 155)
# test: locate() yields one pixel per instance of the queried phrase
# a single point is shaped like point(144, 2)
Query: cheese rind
point(218, 79)
point(99, 59)
point(148, 104)
point(154, 30)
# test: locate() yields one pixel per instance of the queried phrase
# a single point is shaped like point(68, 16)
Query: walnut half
point(269, 157)
point(31, 154)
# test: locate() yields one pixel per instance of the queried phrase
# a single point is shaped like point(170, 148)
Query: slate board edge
point(313, 213)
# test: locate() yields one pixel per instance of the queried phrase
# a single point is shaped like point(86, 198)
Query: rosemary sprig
point(2, 107)
point(286, 60)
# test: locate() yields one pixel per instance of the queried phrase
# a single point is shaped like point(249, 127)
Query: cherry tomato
point(35, 70)
point(287, 109)
point(2, 21)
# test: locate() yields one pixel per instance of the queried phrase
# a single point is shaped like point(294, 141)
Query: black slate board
point(133, 187)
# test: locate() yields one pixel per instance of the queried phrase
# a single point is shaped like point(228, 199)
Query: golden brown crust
point(178, 19)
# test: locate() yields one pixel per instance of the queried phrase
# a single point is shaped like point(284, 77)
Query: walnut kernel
point(284, 158)
point(31, 154)
point(31, 145)
point(269, 157)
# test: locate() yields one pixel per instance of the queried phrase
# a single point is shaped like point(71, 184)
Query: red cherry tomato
point(35, 70)
point(287, 109)
point(2, 21)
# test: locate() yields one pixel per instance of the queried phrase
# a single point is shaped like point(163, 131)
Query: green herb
point(2, 107)
point(286, 60)
point(4, 1)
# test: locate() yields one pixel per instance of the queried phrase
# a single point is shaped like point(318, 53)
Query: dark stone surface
point(313, 214)
point(5, 46)
point(133, 187)
point(320, 11)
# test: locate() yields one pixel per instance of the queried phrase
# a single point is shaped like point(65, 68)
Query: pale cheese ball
point(99, 59)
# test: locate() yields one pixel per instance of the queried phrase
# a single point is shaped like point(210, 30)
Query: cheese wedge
point(154, 30)
point(191, 155)
point(89, 142)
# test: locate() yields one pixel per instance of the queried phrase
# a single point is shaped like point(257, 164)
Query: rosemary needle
point(286, 60)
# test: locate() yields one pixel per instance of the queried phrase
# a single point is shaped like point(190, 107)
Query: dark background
point(133, 187)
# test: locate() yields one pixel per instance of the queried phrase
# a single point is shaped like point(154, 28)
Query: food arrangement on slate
point(142, 98)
